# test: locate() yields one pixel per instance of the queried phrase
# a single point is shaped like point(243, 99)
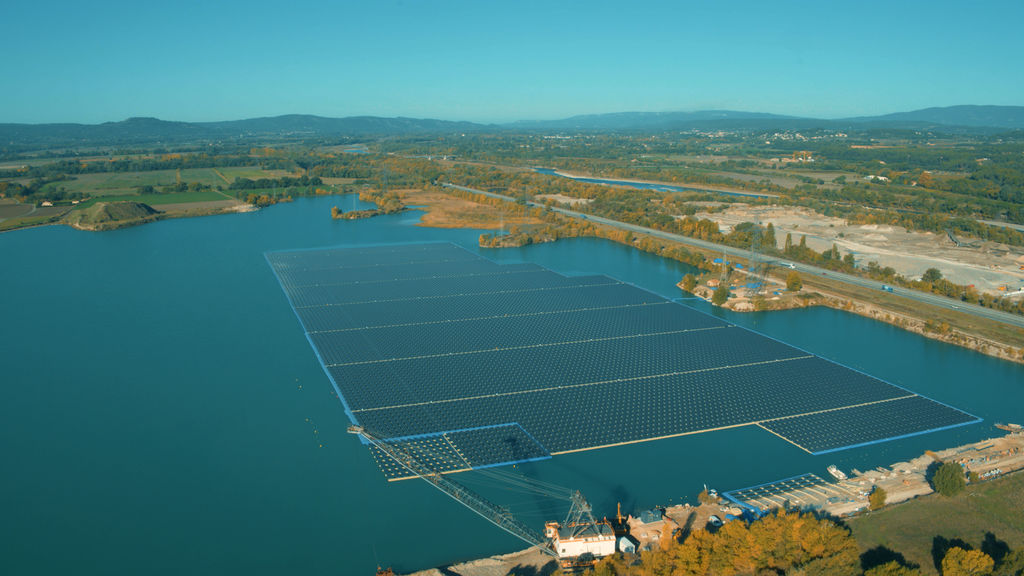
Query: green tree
point(893, 568)
point(705, 497)
point(793, 282)
point(768, 240)
point(788, 246)
point(721, 295)
point(949, 479)
point(876, 499)
point(960, 562)
point(931, 275)
point(1012, 564)
point(689, 282)
point(779, 543)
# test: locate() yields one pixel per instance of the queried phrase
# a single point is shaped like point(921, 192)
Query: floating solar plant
point(471, 363)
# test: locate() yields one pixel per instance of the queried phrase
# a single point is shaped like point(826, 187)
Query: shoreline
point(429, 203)
point(944, 326)
point(820, 297)
point(903, 481)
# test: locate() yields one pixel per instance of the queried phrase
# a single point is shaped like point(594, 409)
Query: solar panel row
point(824, 432)
point(428, 338)
point(465, 449)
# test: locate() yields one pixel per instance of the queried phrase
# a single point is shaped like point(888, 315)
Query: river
point(162, 412)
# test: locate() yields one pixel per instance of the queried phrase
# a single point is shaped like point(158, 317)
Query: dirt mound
point(109, 215)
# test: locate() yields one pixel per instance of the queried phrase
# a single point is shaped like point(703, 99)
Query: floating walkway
point(484, 364)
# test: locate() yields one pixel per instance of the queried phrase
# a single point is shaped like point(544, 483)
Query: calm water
point(162, 412)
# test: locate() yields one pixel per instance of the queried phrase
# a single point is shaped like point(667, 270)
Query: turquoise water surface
point(161, 411)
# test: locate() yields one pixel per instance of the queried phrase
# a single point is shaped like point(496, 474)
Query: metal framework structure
point(463, 495)
point(580, 517)
point(759, 265)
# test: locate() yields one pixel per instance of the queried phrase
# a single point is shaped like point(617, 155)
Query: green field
point(9, 209)
point(115, 183)
point(158, 199)
point(914, 528)
point(40, 216)
point(250, 172)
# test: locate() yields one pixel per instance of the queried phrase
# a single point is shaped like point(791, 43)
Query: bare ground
point(987, 265)
point(446, 211)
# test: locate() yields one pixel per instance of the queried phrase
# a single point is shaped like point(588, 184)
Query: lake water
point(161, 411)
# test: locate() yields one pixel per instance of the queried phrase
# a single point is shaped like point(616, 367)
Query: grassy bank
point(917, 528)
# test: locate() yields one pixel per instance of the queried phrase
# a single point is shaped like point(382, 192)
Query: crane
point(461, 494)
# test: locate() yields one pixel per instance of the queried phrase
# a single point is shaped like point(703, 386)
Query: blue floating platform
point(476, 364)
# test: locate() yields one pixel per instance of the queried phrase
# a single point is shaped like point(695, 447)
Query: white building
point(572, 541)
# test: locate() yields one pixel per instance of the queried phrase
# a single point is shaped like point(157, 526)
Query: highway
point(927, 298)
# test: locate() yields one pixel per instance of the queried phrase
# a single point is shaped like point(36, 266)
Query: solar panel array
point(806, 487)
point(480, 363)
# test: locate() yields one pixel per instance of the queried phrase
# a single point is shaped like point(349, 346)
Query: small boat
point(836, 472)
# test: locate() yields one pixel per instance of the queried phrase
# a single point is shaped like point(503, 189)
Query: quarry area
point(989, 266)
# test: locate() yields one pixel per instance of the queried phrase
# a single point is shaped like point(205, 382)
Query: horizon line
point(507, 122)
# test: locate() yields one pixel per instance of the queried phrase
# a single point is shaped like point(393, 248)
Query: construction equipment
point(491, 512)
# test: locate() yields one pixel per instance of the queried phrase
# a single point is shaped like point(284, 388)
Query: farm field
point(39, 216)
point(115, 183)
point(158, 199)
point(251, 172)
point(11, 209)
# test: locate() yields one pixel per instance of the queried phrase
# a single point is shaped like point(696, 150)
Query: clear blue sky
point(481, 60)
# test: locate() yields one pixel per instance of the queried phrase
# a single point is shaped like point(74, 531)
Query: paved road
point(933, 299)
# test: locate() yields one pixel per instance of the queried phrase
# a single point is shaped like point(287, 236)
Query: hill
point(111, 215)
point(135, 131)
point(956, 119)
point(1007, 117)
point(651, 120)
point(152, 131)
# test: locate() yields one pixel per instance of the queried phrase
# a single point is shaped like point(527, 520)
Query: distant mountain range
point(653, 120)
point(1008, 117)
point(154, 131)
point(949, 119)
